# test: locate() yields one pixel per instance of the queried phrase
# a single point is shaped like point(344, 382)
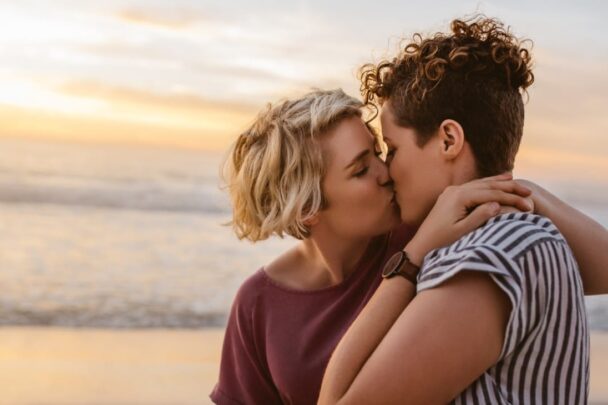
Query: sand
point(99, 366)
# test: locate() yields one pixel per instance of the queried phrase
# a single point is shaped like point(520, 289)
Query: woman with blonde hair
point(310, 168)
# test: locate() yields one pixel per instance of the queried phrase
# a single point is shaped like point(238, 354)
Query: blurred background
point(115, 270)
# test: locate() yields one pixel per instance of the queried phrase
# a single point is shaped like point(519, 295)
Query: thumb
point(479, 216)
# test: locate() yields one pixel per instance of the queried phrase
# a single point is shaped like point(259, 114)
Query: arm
point(445, 339)
point(447, 222)
point(365, 334)
point(587, 239)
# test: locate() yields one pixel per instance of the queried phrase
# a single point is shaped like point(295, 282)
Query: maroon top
point(278, 340)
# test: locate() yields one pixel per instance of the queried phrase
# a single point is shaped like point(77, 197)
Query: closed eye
point(361, 172)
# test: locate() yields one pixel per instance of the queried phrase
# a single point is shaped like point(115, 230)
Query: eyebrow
point(360, 156)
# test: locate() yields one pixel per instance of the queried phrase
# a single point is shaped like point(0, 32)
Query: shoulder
point(508, 235)
point(289, 269)
point(250, 290)
point(517, 233)
point(493, 248)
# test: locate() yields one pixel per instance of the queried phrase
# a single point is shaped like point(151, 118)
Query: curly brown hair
point(476, 75)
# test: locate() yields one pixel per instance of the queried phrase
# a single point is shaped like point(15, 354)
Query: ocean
point(117, 236)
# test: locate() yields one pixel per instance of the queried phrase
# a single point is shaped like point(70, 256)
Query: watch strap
point(405, 268)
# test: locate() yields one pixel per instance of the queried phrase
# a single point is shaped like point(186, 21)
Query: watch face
point(392, 264)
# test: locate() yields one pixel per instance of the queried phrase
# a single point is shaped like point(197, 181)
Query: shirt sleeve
point(244, 378)
point(505, 272)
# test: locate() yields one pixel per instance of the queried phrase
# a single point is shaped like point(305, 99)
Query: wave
point(133, 194)
point(149, 316)
point(158, 315)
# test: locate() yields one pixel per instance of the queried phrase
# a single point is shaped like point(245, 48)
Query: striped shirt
point(545, 353)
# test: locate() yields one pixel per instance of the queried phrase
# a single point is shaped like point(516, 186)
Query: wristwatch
point(400, 265)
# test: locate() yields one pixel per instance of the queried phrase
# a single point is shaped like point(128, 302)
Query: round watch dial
point(392, 264)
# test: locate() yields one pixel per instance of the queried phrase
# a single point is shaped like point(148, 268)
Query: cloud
point(178, 101)
point(569, 166)
point(39, 124)
point(171, 18)
point(130, 115)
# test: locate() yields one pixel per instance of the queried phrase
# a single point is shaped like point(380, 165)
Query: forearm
point(587, 239)
point(367, 331)
point(363, 336)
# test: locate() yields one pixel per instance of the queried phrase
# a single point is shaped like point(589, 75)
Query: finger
point(505, 183)
point(479, 216)
point(478, 197)
point(531, 204)
point(509, 186)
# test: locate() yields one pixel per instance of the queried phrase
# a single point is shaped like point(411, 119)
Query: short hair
point(475, 75)
point(275, 168)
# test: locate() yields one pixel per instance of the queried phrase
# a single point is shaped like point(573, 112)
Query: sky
point(193, 74)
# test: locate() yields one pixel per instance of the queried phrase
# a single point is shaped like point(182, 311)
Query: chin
point(409, 218)
point(415, 214)
point(388, 224)
point(394, 223)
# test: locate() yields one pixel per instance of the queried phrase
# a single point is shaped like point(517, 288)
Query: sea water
point(123, 236)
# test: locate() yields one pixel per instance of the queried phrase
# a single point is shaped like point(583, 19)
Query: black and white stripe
point(545, 354)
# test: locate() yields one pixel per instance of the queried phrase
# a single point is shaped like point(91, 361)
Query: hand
point(540, 197)
point(462, 209)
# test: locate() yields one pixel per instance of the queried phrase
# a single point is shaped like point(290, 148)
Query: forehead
point(346, 139)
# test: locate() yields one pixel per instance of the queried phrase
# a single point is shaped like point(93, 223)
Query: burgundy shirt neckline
point(360, 267)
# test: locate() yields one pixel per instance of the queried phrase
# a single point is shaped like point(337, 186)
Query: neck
point(332, 258)
point(463, 169)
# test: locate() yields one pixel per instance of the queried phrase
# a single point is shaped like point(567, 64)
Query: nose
point(384, 179)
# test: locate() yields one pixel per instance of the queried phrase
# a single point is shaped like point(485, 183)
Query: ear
point(451, 139)
point(311, 220)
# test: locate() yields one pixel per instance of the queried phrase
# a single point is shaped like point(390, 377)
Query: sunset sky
point(193, 73)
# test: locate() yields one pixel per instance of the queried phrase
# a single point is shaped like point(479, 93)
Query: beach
point(40, 365)
point(54, 365)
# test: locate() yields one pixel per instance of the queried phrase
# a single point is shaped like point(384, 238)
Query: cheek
point(364, 197)
point(366, 202)
point(400, 174)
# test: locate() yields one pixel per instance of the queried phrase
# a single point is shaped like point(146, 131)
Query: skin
point(357, 185)
point(375, 361)
point(421, 174)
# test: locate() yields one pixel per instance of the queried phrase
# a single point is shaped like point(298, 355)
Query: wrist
point(416, 252)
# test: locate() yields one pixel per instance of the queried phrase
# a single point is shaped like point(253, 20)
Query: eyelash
point(362, 172)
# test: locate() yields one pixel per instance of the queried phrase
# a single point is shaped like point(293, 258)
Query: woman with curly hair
point(497, 317)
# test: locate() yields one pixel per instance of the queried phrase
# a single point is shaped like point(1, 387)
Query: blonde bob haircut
point(274, 169)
